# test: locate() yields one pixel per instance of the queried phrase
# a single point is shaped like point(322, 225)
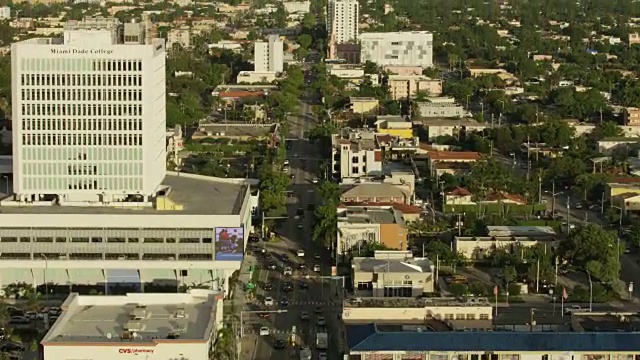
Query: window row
point(73, 80)
point(62, 184)
point(79, 64)
point(82, 94)
point(72, 155)
point(111, 256)
point(12, 239)
point(93, 124)
point(82, 139)
point(96, 170)
point(81, 110)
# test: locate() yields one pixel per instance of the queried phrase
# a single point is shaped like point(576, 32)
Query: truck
point(322, 341)
point(305, 353)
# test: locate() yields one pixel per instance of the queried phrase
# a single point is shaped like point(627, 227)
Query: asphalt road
point(296, 233)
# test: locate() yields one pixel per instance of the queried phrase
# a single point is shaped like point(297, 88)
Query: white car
point(321, 321)
point(316, 267)
point(264, 331)
point(322, 356)
point(268, 301)
point(287, 271)
point(574, 308)
point(300, 253)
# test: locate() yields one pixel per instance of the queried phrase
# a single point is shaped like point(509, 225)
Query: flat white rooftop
point(198, 195)
point(137, 318)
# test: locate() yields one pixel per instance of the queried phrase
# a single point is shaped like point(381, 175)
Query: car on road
point(300, 253)
point(304, 316)
point(321, 321)
point(19, 320)
point(11, 346)
point(571, 309)
point(265, 315)
point(578, 206)
point(311, 206)
point(302, 266)
point(288, 286)
point(304, 286)
point(284, 302)
point(300, 212)
point(316, 267)
point(314, 181)
point(316, 257)
point(272, 265)
point(267, 286)
point(322, 356)
point(287, 270)
point(318, 310)
point(278, 344)
point(300, 226)
point(264, 331)
point(268, 301)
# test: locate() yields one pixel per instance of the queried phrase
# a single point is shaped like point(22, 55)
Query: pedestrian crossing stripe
point(312, 330)
point(303, 303)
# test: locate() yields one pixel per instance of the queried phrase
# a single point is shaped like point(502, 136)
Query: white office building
point(342, 21)
point(269, 55)
point(89, 114)
point(93, 206)
point(414, 48)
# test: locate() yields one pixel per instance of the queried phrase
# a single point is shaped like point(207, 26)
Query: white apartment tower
point(269, 55)
point(403, 48)
point(342, 21)
point(89, 114)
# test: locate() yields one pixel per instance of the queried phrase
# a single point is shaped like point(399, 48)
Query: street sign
point(630, 286)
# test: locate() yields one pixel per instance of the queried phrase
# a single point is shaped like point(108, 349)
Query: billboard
point(229, 243)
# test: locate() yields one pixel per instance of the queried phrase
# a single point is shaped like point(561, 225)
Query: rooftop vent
point(140, 312)
point(180, 313)
point(133, 325)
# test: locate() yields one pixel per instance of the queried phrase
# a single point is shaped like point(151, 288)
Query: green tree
point(326, 226)
point(224, 346)
point(593, 249)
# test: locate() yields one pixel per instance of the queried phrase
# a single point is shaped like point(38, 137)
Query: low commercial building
point(192, 234)
point(394, 125)
point(377, 191)
point(481, 247)
point(153, 326)
point(392, 274)
point(358, 225)
point(236, 131)
point(256, 77)
point(444, 162)
point(355, 154)
point(444, 107)
point(588, 337)
point(631, 116)
point(459, 128)
point(608, 145)
point(363, 105)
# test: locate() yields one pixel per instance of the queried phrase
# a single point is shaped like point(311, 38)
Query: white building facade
point(5, 12)
point(411, 48)
point(269, 55)
point(342, 21)
point(89, 114)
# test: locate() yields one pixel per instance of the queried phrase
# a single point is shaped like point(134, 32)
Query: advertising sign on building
point(229, 244)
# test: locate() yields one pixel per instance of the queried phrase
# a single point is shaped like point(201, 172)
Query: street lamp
point(590, 292)
point(619, 228)
point(242, 312)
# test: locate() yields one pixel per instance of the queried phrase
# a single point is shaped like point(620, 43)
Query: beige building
point(256, 77)
point(377, 192)
point(479, 248)
point(359, 224)
point(404, 87)
point(363, 105)
point(634, 38)
point(631, 116)
point(403, 70)
point(392, 274)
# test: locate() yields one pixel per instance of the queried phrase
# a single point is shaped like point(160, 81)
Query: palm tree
point(224, 347)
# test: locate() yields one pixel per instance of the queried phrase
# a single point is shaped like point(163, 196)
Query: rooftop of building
point(136, 318)
point(234, 130)
point(357, 139)
point(366, 215)
point(453, 155)
point(441, 121)
point(199, 195)
point(499, 230)
point(605, 322)
point(392, 262)
point(373, 190)
point(403, 208)
point(514, 239)
point(620, 139)
point(402, 302)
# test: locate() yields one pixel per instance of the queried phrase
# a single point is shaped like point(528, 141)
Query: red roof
point(459, 191)
point(625, 180)
point(454, 155)
point(403, 208)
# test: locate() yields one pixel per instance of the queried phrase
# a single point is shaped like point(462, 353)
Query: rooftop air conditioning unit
point(180, 314)
point(133, 325)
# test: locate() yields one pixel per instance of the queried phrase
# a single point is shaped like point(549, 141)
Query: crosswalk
point(304, 303)
point(312, 330)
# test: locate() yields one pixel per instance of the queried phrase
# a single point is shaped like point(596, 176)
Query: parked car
point(287, 271)
point(300, 253)
point(11, 346)
point(19, 320)
point(268, 301)
point(264, 331)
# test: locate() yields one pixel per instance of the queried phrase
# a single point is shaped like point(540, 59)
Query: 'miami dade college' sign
point(81, 52)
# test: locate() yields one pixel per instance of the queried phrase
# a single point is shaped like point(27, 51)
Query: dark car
point(287, 287)
point(302, 266)
point(272, 266)
point(278, 344)
point(267, 286)
point(311, 206)
point(304, 286)
point(253, 239)
point(300, 212)
point(284, 302)
point(11, 346)
point(19, 320)
point(316, 257)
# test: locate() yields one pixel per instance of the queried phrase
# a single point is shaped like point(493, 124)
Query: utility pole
point(539, 187)
point(538, 276)
point(553, 199)
point(568, 214)
point(459, 225)
point(435, 280)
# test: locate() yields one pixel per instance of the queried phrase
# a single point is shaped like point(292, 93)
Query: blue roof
point(365, 338)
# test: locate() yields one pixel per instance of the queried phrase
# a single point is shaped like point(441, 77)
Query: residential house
point(481, 247)
point(380, 275)
point(394, 125)
point(458, 196)
point(622, 185)
point(503, 198)
point(451, 162)
point(608, 145)
point(404, 87)
point(634, 38)
point(363, 105)
point(460, 128)
point(358, 225)
point(256, 77)
point(403, 70)
point(376, 193)
point(537, 150)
